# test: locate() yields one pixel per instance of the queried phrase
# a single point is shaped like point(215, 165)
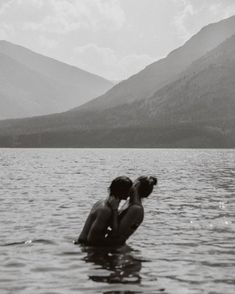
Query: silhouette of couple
point(107, 225)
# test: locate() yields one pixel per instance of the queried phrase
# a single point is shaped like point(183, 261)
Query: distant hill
point(32, 84)
point(155, 76)
point(195, 110)
point(203, 92)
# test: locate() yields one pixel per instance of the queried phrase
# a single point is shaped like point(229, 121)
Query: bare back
point(129, 220)
point(96, 225)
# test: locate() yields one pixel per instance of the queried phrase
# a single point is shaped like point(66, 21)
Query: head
point(145, 185)
point(120, 187)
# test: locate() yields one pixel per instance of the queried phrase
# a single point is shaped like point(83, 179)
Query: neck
point(135, 199)
point(110, 197)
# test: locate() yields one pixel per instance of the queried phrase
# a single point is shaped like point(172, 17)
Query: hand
point(114, 202)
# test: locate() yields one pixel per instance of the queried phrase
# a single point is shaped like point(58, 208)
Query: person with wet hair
point(131, 215)
point(103, 212)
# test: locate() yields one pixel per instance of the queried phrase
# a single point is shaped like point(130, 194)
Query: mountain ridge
point(158, 74)
point(9, 49)
point(69, 85)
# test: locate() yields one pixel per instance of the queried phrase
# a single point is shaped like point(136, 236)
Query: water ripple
point(185, 245)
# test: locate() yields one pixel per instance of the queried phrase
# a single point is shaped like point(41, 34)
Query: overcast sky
point(112, 38)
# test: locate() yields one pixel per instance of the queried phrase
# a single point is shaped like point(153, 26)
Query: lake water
point(186, 243)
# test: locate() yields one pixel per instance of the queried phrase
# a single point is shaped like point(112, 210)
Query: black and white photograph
point(117, 146)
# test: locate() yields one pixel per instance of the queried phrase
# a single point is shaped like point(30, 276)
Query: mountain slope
point(24, 91)
point(203, 92)
point(32, 84)
point(196, 110)
point(162, 72)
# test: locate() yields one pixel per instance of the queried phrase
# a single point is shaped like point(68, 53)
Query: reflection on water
point(119, 265)
point(122, 292)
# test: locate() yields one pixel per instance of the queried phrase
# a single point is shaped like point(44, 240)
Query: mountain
point(195, 110)
point(203, 92)
point(145, 83)
point(32, 84)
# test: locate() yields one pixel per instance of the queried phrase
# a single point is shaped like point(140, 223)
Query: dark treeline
point(181, 136)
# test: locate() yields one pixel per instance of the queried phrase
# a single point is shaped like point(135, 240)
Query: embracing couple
point(107, 225)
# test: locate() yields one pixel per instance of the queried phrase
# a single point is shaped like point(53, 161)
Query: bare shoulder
point(136, 208)
point(98, 205)
point(104, 210)
point(136, 212)
point(100, 208)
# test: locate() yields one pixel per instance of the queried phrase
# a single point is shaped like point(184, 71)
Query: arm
point(96, 235)
point(113, 203)
point(115, 224)
point(83, 235)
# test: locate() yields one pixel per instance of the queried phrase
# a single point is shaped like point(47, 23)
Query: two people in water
point(107, 225)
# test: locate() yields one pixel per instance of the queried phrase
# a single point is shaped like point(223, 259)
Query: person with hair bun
point(129, 218)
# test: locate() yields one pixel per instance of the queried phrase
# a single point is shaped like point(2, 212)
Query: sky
point(112, 38)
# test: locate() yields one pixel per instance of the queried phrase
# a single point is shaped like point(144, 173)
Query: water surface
point(186, 243)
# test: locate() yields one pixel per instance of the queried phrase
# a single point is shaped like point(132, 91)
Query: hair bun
point(153, 180)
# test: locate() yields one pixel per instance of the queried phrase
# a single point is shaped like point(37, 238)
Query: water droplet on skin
point(28, 242)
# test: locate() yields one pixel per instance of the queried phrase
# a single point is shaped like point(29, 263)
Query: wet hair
point(146, 185)
point(120, 186)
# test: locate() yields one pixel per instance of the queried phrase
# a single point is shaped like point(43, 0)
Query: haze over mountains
point(32, 84)
point(155, 76)
point(184, 100)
